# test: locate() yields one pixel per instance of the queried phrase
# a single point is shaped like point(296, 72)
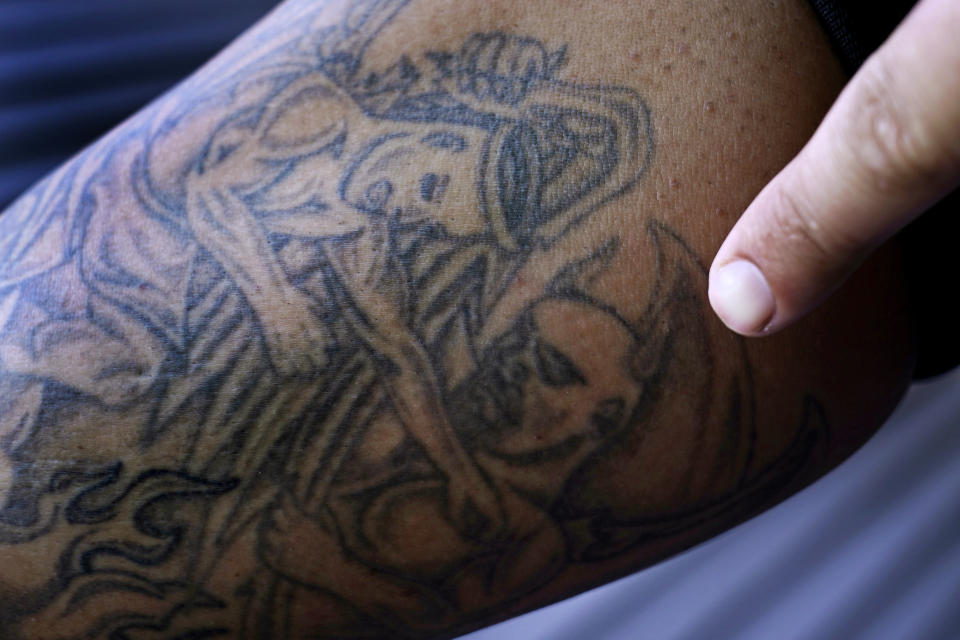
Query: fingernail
point(741, 297)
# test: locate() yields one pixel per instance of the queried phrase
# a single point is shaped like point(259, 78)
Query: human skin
point(888, 149)
point(392, 321)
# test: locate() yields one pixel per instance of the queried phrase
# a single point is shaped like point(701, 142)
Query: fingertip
point(741, 297)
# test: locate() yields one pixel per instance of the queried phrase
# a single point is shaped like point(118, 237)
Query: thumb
point(888, 148)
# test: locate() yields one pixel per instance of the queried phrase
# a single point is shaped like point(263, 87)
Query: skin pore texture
point(391, 321)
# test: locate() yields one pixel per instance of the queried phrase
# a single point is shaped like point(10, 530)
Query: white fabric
point(871, 551)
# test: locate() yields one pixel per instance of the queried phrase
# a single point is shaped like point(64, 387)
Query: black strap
point(836, 22)
point(857, 27)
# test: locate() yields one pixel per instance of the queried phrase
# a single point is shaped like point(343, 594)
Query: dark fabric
point(858, 27)
point(836, 22)
point(930, 256)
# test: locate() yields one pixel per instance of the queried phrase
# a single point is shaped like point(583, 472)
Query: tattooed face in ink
point(544, 384)
point(421, 176)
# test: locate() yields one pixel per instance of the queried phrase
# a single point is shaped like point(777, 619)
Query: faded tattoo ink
point(291, 387)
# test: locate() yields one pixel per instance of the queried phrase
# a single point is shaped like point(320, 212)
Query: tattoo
point(340, 404)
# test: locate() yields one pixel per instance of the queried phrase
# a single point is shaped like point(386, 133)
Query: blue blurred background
point(72, 69)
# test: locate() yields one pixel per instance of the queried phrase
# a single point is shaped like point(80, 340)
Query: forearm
point(222, 326)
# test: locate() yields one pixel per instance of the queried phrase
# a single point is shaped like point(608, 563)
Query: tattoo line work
point(316, 328)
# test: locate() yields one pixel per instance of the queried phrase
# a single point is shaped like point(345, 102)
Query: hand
point(888, 148)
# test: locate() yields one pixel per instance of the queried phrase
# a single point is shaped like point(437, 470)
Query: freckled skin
point(391, 322)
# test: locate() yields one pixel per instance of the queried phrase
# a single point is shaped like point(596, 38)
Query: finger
point(888, 148)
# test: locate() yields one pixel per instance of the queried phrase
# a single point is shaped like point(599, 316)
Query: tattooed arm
point(391, 322)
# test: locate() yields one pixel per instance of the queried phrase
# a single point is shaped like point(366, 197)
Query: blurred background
point(70, 70)
point(872, 551)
